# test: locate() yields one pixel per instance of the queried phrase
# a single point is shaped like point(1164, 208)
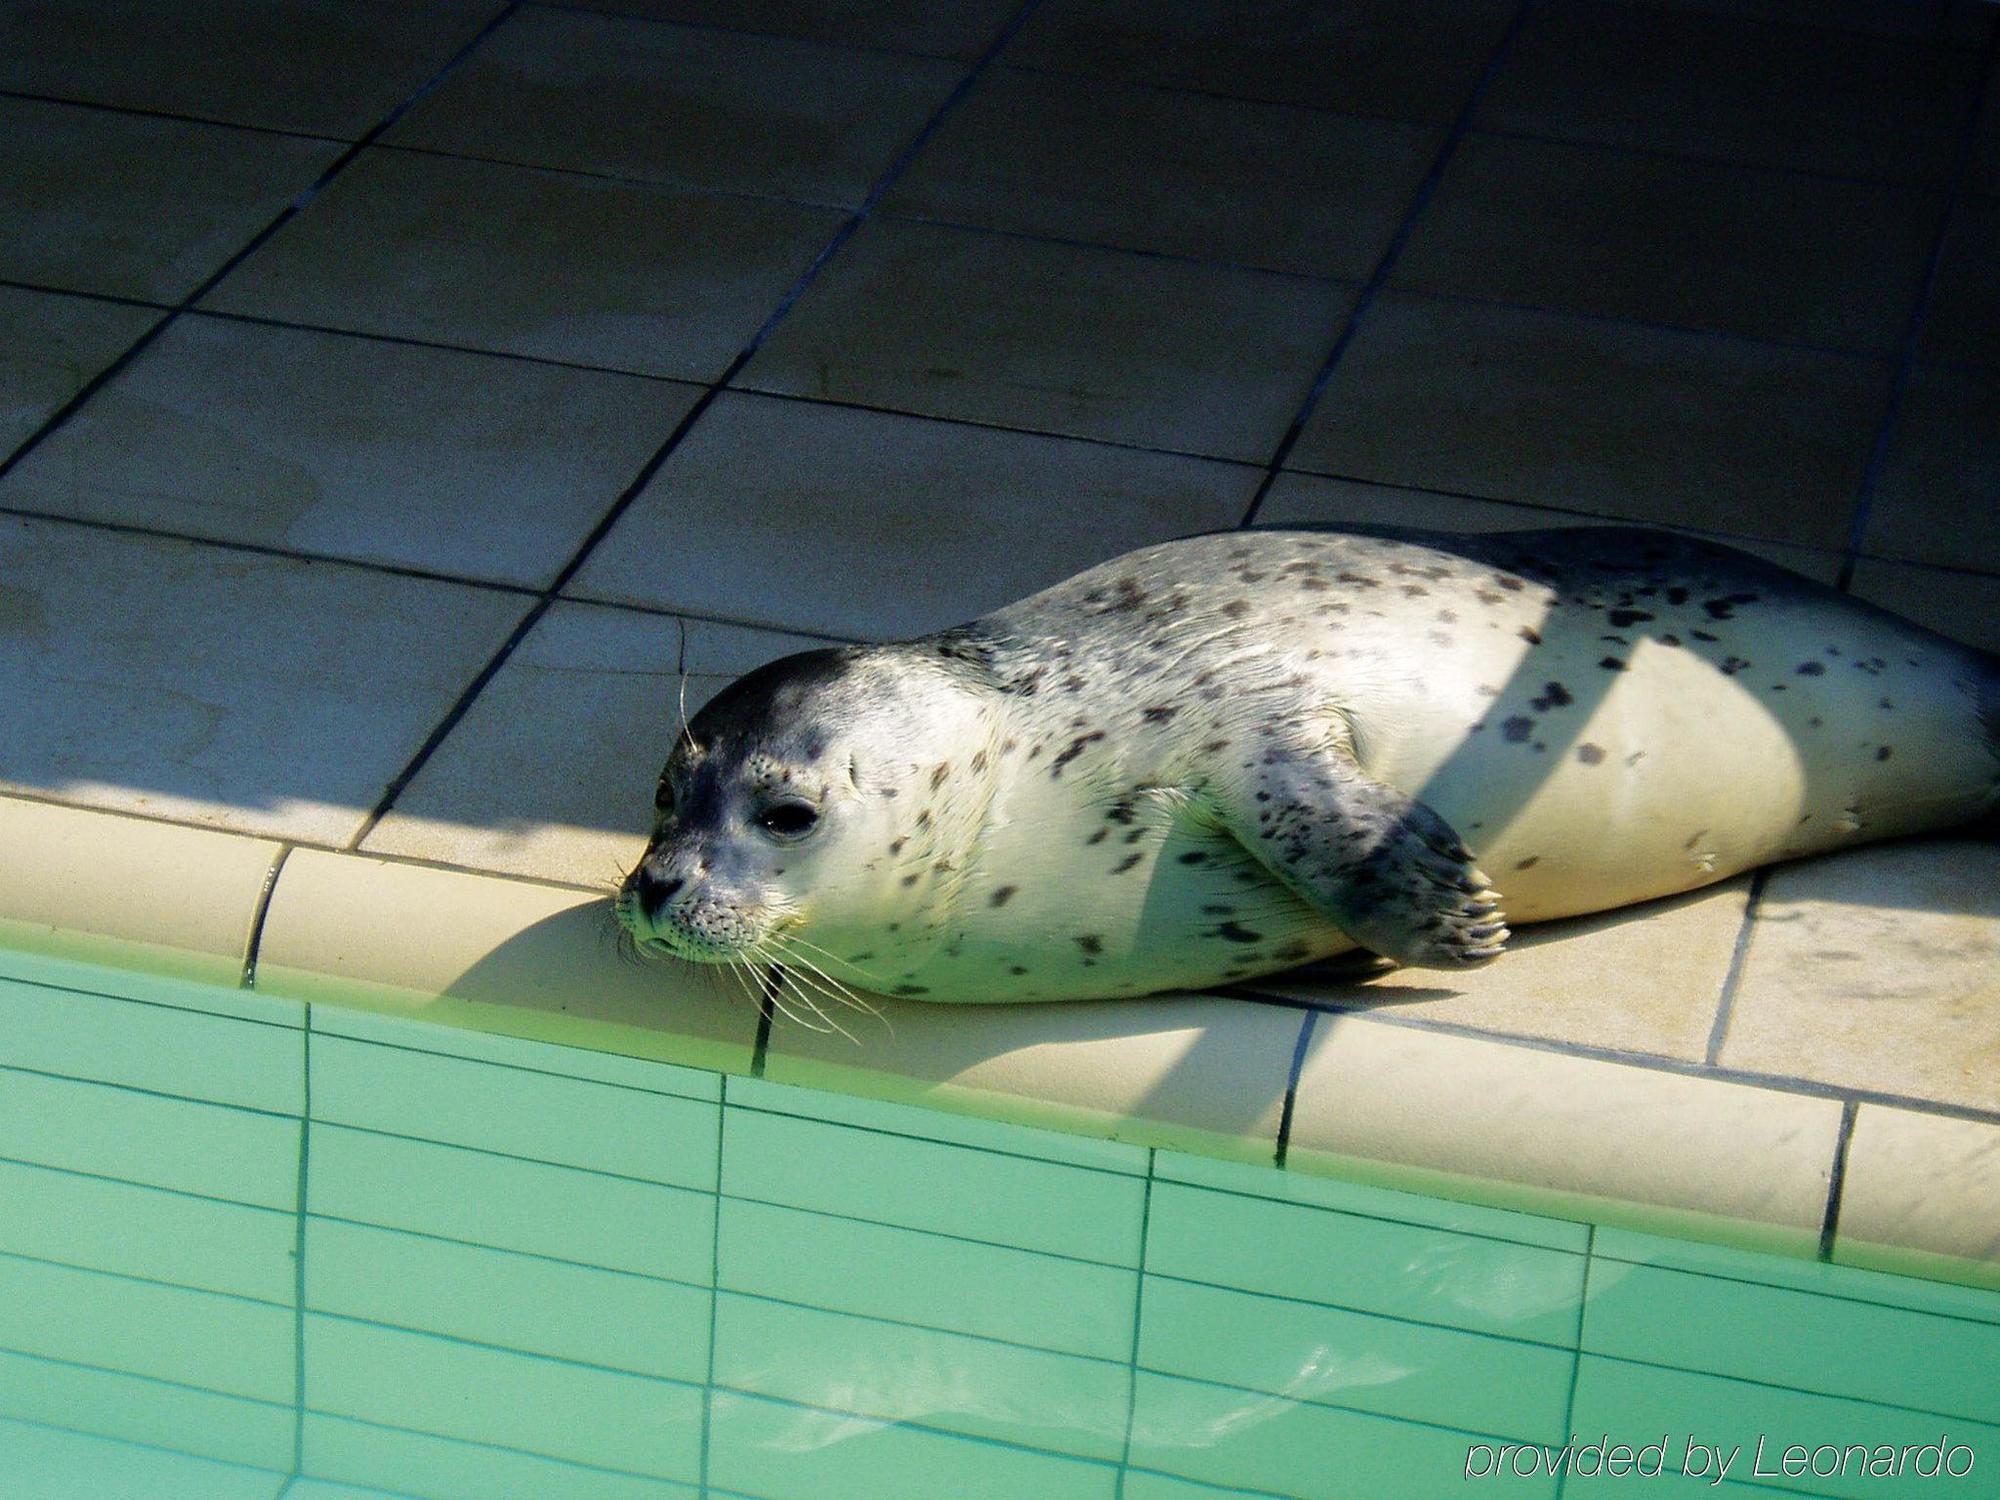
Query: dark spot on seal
point(909, 880)
point(1670, 640)
point(1016, 969)
point(924, 818)
point(1529, 634)
point(1529, 863)
point(1161, 714)
point(1236, 609)
point(1090, 942)
point(1885, 704)
point(979, 760)
point(938, 774)
point(1518, 728)
point(1731, 665)
point(1612, 664)
point(1194, 857)
point(1122, 811)
point(1677, 595)
point(1590, 754)
point(912, 989)
point(1213, 910)
point(1812, 669)
point(1002, 894)
point(1126, 863)
point(1725, 607)
point(1623, 617)
point(1510, 584)
point(1884, 753)
point(1554, 695)
point(1076, 747)
point(896, 845)
point(1293, 953)
point(1237, 934)
point(1099, 837)
point(1009, 746)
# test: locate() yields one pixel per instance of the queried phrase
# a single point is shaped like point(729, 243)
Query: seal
point(1223, 756)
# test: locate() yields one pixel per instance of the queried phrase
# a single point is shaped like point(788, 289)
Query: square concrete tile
point(133, 206)
point(1399, 59)
point(865, 524)
point(467, 464)
point(550, 774)
point(51, 347)
point(1314, 500)
point(1736, 88)
point(1703, 245)
point(1963, 320)
point(1634, 423)
point(964, 29)
point(1939, 499)
point(285, 64)
point(1879, 969)
point(1963, 605)
point(622, 276)
point(257, 694)
point(1921, 1182)
point(1669, 958)
point(1186, 174)
point(682, 105)
point(1056, 338)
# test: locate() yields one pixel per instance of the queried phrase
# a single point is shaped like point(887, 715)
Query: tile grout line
point(1138, 1322)
point(651, 467)
point(290, 211)
point(1283, 1145)
point(1836, 1182)
point(1732, 977)
point(299, 1253)
point(1426, 189)
point(1956, 191)
point(714, 1286)
point(1576, 1361)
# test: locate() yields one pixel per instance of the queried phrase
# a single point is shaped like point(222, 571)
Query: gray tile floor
point(383, 387)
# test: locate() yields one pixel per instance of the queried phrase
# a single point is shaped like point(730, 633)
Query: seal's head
point(796, 803)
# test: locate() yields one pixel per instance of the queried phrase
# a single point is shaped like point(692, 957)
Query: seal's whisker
point(794, 938)
point(784, 972)
point(803, 972)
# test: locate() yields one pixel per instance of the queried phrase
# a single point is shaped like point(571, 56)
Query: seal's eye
point(663, 797)
point(788, 820)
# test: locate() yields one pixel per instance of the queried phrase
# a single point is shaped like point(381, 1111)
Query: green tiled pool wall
point(252, 1250)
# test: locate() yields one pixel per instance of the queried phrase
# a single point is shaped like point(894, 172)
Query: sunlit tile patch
point(138, 207)
point(464, 464)
point(1060, 338)
point(289, 65)
point(1398, 60)
point(1146, 169)
point(616, 275)
point(685, 105)
point(1741, 88)
point(51, 346)
point(1718, 248)
point(793, 502)
point(1626, 423)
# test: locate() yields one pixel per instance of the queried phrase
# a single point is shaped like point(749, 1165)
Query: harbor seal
point(1223, 756)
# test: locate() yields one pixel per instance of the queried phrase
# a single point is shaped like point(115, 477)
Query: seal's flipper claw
point(1377, 863)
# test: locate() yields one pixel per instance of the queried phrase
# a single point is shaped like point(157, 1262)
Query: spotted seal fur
point(1227, 755)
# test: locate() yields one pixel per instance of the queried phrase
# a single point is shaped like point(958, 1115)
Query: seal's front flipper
point(1381, 866)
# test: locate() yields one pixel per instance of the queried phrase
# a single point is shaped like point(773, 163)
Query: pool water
point(251, 1251)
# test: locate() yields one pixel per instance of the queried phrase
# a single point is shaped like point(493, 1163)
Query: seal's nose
point(653, 892)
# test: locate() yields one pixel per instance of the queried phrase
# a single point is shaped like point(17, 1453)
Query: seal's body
point(1224, 756)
